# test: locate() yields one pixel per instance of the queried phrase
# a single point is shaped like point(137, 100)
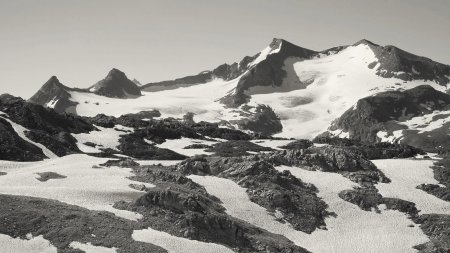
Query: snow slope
point(175, 244)
point(85, 186)
point(336, 82)
point(406, 175)
point(352, 231)
point(178, 145)
point(104, 138)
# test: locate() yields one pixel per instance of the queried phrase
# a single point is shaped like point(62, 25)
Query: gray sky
point(81, 40)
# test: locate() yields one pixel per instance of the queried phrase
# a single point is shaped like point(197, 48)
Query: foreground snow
point(352, 231)
point(175, 244)
point(85, 186)
point(28, 245)
point(406, 175)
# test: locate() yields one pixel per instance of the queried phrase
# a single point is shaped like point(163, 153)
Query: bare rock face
point(386, 110)
point(270, 72)
point(53, 94)
point(116, 85)
point(14, 148)
point(395, 62)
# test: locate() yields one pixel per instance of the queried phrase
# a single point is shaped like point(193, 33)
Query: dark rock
point(14, 148)
point(197, 146)
point(236, 148)
point(437, 228)
point(298, 144)
point(134, 145)
point(264, 121)
point(60, 144)
point(116, 85)
point(124, 163)
point(45, 176)
point(62, 224)
point(56, 94)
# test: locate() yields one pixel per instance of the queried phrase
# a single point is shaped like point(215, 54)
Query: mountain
point(54, 95)
point(196, 164)
point(419, 117)
point(304, 88)
point(116, 85)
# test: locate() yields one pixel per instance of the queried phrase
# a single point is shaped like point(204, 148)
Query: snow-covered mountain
point(306, 89)
point(191, 165)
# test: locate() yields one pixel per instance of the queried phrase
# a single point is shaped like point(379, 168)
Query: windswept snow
point(175, 244)
point(20, 130)
point(89, 248)
point(30, 245)
point(406, 175)
point(104, 138)
point(352, 231)
point(92, 188)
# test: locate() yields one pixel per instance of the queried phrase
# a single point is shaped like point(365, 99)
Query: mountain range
point(300, 92)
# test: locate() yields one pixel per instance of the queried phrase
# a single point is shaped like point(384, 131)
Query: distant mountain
point(304, 90)
point(116, 85)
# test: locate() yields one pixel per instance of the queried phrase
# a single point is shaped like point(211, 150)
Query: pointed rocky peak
point(117, 85)
point(365, 42)
point(53, 94)
point(287, 49)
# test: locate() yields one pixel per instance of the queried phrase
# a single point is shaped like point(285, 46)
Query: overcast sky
point(79, 41)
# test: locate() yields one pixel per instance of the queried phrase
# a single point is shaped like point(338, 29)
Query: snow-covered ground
point(29, 245)
point(198, 99)
point(89, 248)
point(175, 244)
point(406, 175)
point(178, 145)
point(92, 188)
point(20, 130)
point(352, 231)
point(104, 138)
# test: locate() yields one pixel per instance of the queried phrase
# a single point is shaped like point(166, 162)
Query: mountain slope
point(306, 90)
point(116, 85)
point(418, 117)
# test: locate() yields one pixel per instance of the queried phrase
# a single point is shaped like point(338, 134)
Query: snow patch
point(30, 245)
point(406, 175)
point(104, 138)
point(84, 186)
point(175, 244)
point(178, 145)
point(89, 248)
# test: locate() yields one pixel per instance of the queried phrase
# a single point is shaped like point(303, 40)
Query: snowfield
point(104, 138)
point(329, 85)
point(334, 83)
point(28, 245)
point(85, 186)
point(174, 244)
point(406, 175)
point(352, 231)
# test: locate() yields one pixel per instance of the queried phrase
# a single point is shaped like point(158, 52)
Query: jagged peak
point(53, 82)
point(365, 42)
